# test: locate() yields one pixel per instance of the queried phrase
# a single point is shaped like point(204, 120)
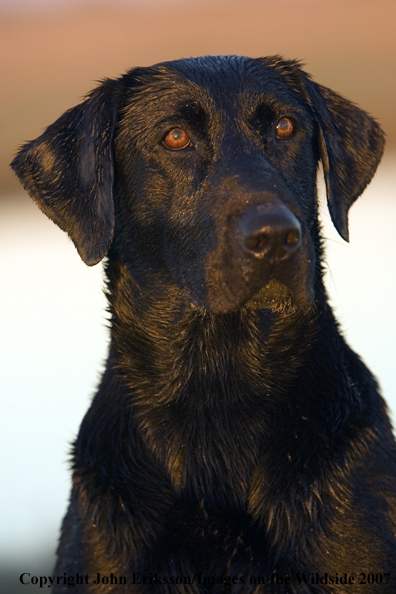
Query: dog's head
point(204, 170)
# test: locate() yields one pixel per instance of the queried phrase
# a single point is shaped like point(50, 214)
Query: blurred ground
point(50, 57)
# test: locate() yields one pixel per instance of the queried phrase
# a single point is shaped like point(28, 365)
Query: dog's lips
point(267, 284)
point(298, 281)
point(271, 294)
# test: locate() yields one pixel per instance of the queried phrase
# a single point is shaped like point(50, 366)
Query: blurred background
point(54, 339)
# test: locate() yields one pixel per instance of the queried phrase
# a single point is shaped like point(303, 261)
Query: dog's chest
point(209, 452)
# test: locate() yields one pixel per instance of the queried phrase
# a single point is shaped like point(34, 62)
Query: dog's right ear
point(68, 171)
point(351, 145)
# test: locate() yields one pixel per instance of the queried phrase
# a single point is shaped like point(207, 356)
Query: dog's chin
point(274, 296)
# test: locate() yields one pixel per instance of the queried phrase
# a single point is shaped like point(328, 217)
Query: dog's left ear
point(68, 171)
point(351, 146)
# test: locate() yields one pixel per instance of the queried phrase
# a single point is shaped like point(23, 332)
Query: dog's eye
point(284, 128)
point(176, 139)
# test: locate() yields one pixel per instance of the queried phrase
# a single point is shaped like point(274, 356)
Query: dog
point(236, 443)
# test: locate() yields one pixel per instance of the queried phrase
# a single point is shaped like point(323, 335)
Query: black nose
point(270, 230)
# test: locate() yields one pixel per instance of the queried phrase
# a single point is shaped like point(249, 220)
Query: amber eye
point(284, 128)
point(176, 139)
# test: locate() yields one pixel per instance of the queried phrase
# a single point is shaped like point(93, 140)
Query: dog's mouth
point(275, 285)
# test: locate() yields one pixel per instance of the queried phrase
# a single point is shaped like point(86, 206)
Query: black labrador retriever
point(236, 443)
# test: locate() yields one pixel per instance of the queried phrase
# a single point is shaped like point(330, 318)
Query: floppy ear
point(68, 171)
point(351, 146)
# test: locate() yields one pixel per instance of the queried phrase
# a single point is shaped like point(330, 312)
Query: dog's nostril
point(256, 242)
point(292, 238)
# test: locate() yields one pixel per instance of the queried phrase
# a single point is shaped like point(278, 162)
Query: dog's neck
point(162, 339)
point(239, 380)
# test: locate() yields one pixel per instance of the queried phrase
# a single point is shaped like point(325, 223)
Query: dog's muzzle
point(264, 252)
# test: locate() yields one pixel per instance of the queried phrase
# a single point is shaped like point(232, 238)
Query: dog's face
point(216, 168)
point(210, 167)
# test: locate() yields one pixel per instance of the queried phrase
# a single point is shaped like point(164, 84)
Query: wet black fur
point(234, 433)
